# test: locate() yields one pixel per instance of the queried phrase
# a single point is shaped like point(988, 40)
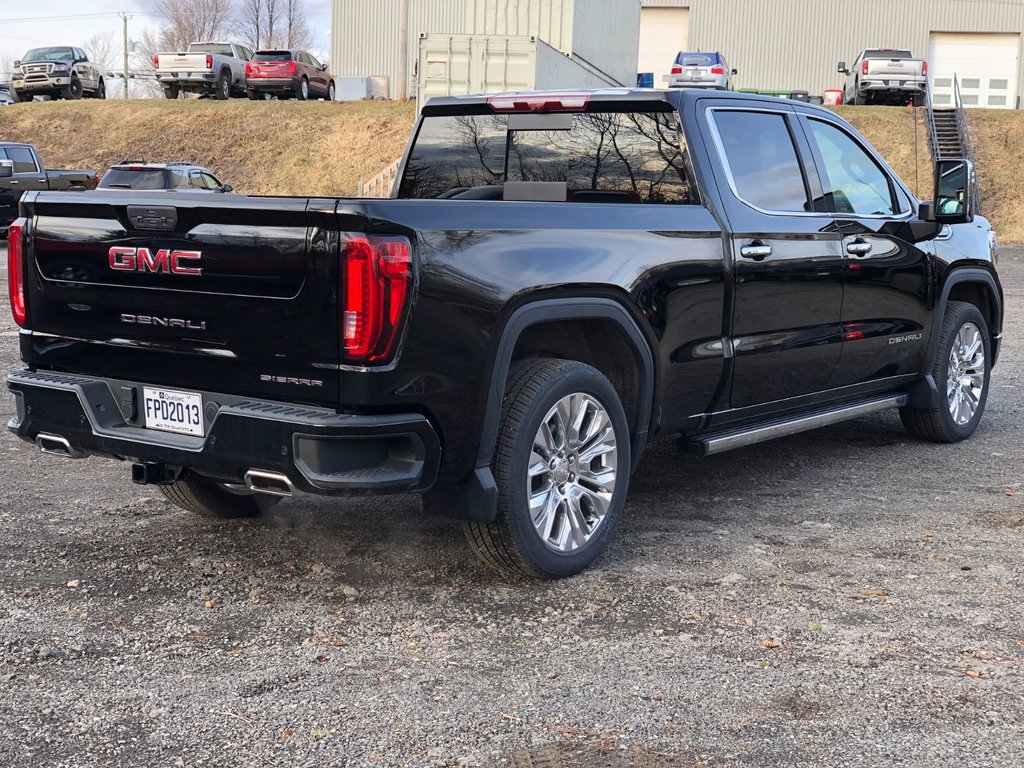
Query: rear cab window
point(621, 157)
point(272, 56)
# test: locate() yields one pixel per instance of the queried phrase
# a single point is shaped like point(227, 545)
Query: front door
point(885, 316)
point(787, 257)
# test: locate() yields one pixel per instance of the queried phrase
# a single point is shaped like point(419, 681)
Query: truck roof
point(672, 97)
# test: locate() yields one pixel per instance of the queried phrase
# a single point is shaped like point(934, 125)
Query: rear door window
point(24, 160)
point(596, 157)
point(761, 160)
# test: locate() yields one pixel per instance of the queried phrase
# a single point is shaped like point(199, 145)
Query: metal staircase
point(949, 135)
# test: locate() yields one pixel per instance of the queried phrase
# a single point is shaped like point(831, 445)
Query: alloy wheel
point(965, 379)
point(572, 471)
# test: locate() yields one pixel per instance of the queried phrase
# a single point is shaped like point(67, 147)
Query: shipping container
point(456, 65)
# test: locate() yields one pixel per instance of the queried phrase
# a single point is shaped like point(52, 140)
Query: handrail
point(933, 138)
point(964, 129)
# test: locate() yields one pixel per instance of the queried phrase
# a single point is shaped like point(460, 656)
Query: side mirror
point(735, 71)
point(841, 68)
point(227, 188)
point(17, 63)
point(323, 67)
point(6, 169)
point(954, 185)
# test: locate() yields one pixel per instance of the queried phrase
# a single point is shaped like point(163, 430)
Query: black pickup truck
point(21, 171)
point(558, 279)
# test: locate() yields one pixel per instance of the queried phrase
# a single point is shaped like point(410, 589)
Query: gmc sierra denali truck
point(22, 170)
point(885, 76)
point(557, 279)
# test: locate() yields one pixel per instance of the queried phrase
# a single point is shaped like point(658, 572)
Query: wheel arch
point(476, 499)
point(977, 286)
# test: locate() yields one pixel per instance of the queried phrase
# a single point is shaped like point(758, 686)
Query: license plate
point(172, 411)
point(694, 74)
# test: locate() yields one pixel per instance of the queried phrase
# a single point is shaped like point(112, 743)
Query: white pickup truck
point(885, 76)
point(216, 69)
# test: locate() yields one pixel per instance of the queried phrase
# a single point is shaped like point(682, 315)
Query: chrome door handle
point(756, 251)
point(859, 248)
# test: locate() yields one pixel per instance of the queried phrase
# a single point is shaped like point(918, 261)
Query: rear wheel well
point(600, 343)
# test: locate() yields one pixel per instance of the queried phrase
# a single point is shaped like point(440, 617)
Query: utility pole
point(403, 50)
point(124, 18)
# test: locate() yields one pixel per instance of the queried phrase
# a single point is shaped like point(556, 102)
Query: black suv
point(140, 175)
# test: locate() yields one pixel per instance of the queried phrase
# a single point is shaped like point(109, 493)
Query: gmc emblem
point(164, 261)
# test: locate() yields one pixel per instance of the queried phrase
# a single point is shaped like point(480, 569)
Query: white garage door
point(986, 64)
point(663, 33)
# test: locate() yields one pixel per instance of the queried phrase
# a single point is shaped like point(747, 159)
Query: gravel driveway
point(844, 597)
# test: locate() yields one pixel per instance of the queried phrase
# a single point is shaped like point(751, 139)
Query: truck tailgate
point(177, 290)
point(182, 62)
point(896, 68)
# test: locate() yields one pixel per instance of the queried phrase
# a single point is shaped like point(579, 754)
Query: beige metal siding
point(549, 20)
point(788, 45)
point(665, 3)
point(606, 35)
point(364, 35)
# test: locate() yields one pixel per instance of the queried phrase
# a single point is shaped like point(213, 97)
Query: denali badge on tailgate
point(163, 261)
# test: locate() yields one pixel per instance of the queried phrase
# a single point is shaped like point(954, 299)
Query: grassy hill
point(317, 148)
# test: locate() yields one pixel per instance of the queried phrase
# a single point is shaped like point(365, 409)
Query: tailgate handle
point(162, 218)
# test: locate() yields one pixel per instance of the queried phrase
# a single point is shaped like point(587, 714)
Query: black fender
point(477, 499)
point(926, 394)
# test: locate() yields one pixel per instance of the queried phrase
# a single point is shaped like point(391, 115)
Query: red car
point(287, 73)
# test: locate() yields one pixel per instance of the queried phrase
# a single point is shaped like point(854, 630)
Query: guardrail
point(381, 184)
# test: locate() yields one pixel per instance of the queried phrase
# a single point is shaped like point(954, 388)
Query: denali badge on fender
point(163, 261)
point(908, 337)
point(164, 322)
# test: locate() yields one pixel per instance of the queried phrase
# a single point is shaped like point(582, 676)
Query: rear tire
point(561, 469)
point(303, 93)
point(101, 90)
point(212, 499)
point(222, 90)
point(253, 96)
point(172, 91)
point(962, 370)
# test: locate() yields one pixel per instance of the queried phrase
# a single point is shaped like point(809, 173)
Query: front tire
point(211, 499)
point(73, 91)
point(330, 91)
point(561, 469)
point(962, 370)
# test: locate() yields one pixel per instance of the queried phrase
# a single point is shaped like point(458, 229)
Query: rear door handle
point(859, 248)
point(757, 251)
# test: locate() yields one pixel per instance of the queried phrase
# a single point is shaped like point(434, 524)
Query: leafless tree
point(103, 52)
point(273, 24)
point(188, 21)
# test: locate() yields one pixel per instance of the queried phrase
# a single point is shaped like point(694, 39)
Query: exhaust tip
point(269, 483)
point(56, 445)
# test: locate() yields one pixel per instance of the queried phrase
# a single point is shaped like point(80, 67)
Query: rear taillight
point(924, 67)
point(718, 70)
point(292, 67)
point(209, 61)
point(864, 67)
point(156, 62)
point(677, 70)
point(16, 269)
point(376, 285)
point(248, 69)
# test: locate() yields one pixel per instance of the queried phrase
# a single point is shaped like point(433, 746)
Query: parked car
point(21, 171)
point(214, 69)
point(60, 72)
point(701, 70)
point(140, 175)
point(507, 335)
point(5, 96)
point(288, 73)
point(885, 76)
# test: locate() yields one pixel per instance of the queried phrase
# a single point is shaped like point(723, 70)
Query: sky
point(25, 25)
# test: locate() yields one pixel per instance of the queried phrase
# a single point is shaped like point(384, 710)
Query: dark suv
point(288, 73)
point(138, 175)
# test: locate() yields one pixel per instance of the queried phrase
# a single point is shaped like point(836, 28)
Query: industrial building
point(777, 45)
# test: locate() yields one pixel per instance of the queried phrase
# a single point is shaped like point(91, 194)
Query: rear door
point(236, 295)
point(786, 255)
point(886, 306)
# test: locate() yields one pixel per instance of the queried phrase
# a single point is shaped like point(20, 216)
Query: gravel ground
point(844, 597)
